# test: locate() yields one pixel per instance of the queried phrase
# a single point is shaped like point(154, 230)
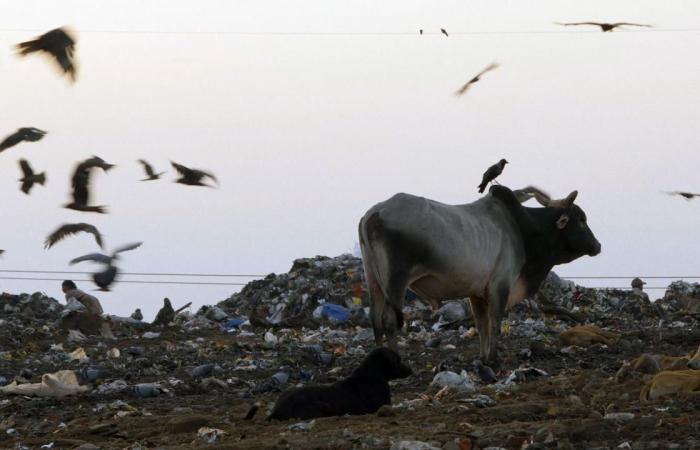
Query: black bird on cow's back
point(150, 173)
point(81, 181)
point(192, 177)
point(685, 195)
point(491, 174)
point(605, 26)
point(29, 134)
point(68, 229)
point(29, 177)
point(463, 89)
point(105, 278)
point(59, 44)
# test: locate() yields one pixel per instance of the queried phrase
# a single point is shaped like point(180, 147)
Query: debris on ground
point(204, 371)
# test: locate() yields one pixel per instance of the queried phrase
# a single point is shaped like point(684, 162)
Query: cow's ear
point(562, 221)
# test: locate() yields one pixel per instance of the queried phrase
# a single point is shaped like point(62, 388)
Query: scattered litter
point(210, 435)
point(302, 426)
point(457, 382)
point(59, 384)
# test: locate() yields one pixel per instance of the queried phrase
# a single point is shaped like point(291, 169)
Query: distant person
point(90, 302)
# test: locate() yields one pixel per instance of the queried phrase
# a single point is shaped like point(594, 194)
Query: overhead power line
point(207, 283)
point(360, 33)
point(150, 274)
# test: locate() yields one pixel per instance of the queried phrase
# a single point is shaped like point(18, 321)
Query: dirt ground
point(564, 410)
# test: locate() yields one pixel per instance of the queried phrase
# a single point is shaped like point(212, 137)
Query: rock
point(412, 445)
point(387, 411)
point(187, 424)
point(619, 417)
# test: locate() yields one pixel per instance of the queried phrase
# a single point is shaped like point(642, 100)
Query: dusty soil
point(564, 410)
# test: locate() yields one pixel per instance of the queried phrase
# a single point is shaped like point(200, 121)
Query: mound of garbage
point(314, 288)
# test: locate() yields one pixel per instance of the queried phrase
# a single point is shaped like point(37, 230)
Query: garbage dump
point(191, 379)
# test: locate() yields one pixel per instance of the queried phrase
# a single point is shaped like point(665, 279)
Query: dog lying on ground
point(585, 335)
point(363, 392)
point(652, 364)
point(669, 383)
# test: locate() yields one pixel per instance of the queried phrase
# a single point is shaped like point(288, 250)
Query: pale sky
point(307, 132)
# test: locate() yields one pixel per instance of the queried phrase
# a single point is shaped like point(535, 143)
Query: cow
point(494, 251)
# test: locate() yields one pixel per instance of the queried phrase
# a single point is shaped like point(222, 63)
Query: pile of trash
point(314, 289)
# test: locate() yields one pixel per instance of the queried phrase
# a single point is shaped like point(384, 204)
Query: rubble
point(206, 369)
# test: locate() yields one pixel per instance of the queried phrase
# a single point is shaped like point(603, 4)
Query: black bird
point(485, 372)
point(72, 228)
point(192, 177)
point(149, 171)
point(605, 27)
point(29, 177)
point(420, 31)
point(491, 174)
point(443, 31)
point(686, 195)
point(137, 315)
point(105, 278)
point(80, 183)
point(29, 134)
point(166, 314)
point(488, 68)
point(58, 43)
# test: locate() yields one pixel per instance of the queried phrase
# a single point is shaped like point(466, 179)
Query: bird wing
point(27, 186)
point(490, 67)
point(96, 257)
point(126, 247)
point(32, 134)
point(72, 228)
point(182, 170)
point(11, 140)
point(579, 23)
point(619, 24)
point(26, 168)
point(147, 167)
point(475, 78)
point(211, 175)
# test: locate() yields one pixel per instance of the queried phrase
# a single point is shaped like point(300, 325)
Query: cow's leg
point(377, 304)
point(498, 299)
point(481, 320)
point(393, 310)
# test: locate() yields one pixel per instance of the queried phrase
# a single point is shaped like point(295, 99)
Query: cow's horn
point(569, 200)
point(564, 202)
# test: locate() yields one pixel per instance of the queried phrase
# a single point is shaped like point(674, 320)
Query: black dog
point(363, 392)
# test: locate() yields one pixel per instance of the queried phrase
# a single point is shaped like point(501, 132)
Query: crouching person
point(83, 312)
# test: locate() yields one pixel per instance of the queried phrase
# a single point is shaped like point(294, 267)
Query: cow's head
point(577, 238)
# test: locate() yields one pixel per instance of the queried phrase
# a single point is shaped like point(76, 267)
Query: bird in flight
point(686, 195)
point(150, 173)
point(463, 89)
point(58, 43)
point(604, 26)
point(80, 183)
point(105, 278)
point(443, 31)
point(68, 229)
point(192, 177)
point(29, 177)
point(29, 134)
point(491, 174)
